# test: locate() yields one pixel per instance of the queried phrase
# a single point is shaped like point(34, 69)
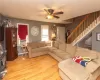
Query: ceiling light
point(49, 17)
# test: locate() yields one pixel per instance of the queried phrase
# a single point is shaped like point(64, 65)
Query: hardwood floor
point(98, 78)
point(39, 68)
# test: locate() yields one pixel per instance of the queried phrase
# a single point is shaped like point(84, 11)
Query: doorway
point(22, 36)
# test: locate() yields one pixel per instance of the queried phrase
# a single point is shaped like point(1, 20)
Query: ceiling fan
point(51, 14)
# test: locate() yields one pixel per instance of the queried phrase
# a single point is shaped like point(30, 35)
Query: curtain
point(22, 31)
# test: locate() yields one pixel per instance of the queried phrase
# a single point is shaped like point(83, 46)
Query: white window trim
point(42, 26)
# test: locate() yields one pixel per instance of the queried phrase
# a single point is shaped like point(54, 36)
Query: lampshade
point(53, 35)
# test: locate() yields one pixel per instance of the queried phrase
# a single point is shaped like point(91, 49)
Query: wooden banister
point(83, 25)
point(78, 25)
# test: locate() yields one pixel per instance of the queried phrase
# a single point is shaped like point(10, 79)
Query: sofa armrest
point(29, 51)
point(73, 70)
point(48, 43)
point(97, 61)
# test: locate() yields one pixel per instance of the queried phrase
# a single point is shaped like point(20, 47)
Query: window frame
point(44, 27)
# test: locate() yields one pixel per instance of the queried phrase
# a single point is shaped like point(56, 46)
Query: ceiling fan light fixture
point(51, 14)
point(49, 17)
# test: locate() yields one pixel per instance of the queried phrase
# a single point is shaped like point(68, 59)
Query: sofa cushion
point(40, 49)
point(48, 43)
point(97, 61)
point(71, 49)
point(51, 48)
point(58, 51)
point(85, 53)
point(73, 70)
point(92, 66)
point(54, 56)
point(63, 55)
point(63, 75)
point(62, 46)
point(33, 45)
point(56, 44)
point(41, 44)
point(37, 44)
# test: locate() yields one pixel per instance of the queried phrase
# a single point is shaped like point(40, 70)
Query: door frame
point(18, 40)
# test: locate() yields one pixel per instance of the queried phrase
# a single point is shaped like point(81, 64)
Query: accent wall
point(32, 23)
point(95, 43)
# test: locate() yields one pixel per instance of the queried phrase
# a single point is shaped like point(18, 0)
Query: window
point(44, 33)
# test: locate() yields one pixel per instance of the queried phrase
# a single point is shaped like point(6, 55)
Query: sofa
point(37, 48)
point(64, 54)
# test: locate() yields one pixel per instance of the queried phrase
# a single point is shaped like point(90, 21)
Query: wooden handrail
point(83, 25)
point(78, 25)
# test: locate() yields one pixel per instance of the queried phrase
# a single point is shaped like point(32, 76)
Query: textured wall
point(31, 24)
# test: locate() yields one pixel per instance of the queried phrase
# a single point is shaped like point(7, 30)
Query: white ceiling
point(34, 9)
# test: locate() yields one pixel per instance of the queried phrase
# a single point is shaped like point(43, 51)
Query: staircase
point(84, 28)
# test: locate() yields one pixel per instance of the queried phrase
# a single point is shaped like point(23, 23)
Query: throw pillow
point(81, 60)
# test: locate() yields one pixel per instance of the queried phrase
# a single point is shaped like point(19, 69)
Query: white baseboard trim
point(22, 53)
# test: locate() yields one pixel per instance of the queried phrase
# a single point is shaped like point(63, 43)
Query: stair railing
point(83, 25)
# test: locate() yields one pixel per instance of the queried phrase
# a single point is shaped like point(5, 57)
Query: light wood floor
point(98, 78)
point(39, 68)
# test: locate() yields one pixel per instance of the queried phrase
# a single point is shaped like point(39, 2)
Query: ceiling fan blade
point(47, 11)
point(56, 17)
point(57, 13)
point(51, 11)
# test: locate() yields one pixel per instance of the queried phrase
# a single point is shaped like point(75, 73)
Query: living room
point(47, 40)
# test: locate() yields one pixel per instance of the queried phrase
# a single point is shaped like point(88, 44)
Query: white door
point(61, 34)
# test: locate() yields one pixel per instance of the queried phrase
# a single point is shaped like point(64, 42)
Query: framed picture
point(98, 36)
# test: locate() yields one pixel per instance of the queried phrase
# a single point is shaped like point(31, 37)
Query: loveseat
point(37, 48)
point(64, 53)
